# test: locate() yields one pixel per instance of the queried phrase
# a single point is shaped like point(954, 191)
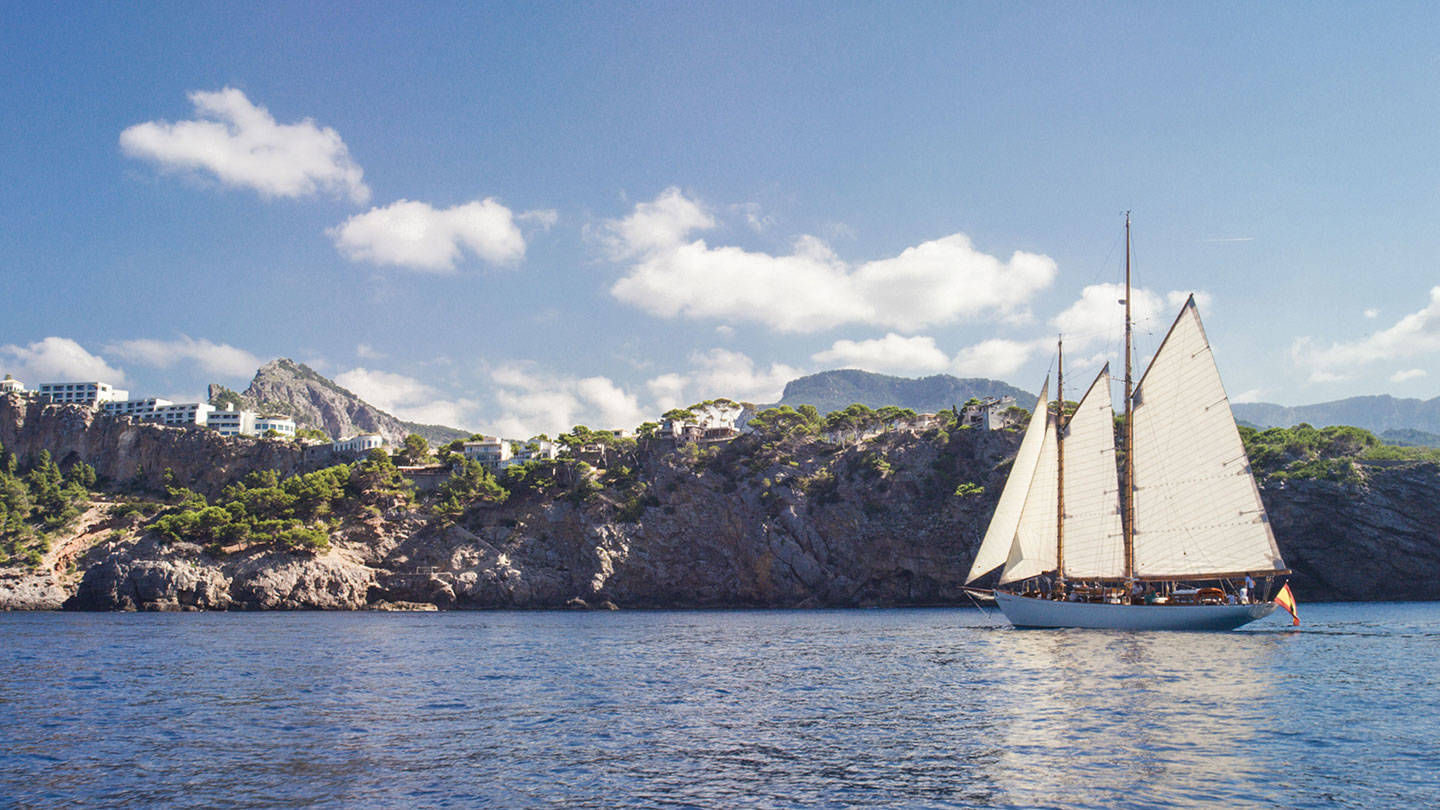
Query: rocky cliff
point(893, 520)
point(132, 454)
point(313, 400)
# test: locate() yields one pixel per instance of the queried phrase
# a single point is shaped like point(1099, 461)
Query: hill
point(833, 390)
point(1374, 413)
point(313, 400)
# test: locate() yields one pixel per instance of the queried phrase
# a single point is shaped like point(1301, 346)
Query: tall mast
point(1060, 460)
point(1129, 424)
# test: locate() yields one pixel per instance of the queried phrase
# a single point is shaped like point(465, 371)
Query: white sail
point(995, 548)
point(1196, 509)
point(1032, 551)
point(1094, 536)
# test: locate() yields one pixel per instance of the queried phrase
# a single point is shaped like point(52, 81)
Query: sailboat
point(1176, 542)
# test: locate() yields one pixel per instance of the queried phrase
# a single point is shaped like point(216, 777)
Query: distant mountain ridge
point(1378, 414)
point(833, 390)
point(315, 401)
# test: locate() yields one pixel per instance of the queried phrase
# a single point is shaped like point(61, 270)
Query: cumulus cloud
point(408, 398)
point(216, 358)
point(1372, 313)
point(996, 357)
point(1407, 375)
point(1099, 314)
point(56, 359)
point(810, 288)
point(893, 354)
point(415, 235)
point(532, 401)
point(1416, 334)
point(241, 144)
point(724, 373)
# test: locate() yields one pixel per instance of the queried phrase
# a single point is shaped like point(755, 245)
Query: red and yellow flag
point(1286, 599)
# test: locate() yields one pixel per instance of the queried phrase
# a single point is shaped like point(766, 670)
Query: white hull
point(1023, 611)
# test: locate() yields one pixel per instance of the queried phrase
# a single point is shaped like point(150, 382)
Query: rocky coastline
point(890, 520)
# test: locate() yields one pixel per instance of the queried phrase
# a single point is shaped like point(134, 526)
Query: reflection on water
point(714, 709)
point(1157, 715)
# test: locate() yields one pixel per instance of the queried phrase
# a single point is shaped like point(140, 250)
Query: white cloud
point(367, 352)
point(657, 225)
point(1407, 375)
point(893, 354)
point(723, 373)
point(994, 358)
point(408, 398)
point(1372, 313)
point(215, 358)
point(1252, 395)
point(241, 144)
point(1416, 334)
point(810, 289)
point(1099, 315)
point(533, 402)
point(56, 359)
point(415, 235)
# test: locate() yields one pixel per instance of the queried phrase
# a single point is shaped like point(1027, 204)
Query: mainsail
point(1094, 535)
point(995, 548)
point(1197, 509)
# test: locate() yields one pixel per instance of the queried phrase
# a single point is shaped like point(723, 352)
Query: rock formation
point(893, 520)
point(313, 400)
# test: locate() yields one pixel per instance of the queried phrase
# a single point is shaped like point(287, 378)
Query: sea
point(722, 709)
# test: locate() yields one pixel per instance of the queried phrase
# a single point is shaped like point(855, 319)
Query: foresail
point(1032, 552)
point(995, 548)
point(1094, 536)
point(1197, 510)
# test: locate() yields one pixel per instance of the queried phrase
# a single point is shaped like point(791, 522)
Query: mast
point(1060, 460)
point(1129, 424)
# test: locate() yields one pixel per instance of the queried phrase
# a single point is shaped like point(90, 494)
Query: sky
point(515, 218)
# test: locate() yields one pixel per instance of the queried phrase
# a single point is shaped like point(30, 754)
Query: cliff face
point(134, 454)
point(315, 401)
point(726, 535)
point(1377, 540)
point(879, 523)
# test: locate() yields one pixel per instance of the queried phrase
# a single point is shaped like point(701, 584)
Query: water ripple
point(923, 708)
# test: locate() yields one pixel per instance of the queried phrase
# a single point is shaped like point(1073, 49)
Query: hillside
point(1374, 413)
point(782, 517)
point(313, 400)
point(834, 390)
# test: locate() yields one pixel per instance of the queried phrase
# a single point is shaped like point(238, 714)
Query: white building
point(10, 385)
point(231, 422)
point(363, 443)
point(184, 414)
point(490, 452)
point(81, 393)
point(987, 413)
point(138, 408)
point(536, 449)
point(283, 425)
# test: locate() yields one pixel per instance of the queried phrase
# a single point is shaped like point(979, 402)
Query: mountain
point(1377, 414)
point(285, 386)
point(832, 390)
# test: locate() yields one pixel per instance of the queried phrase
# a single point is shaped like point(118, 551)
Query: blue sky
point(517, 218)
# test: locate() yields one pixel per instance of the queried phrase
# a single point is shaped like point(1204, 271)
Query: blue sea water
point(864, 708)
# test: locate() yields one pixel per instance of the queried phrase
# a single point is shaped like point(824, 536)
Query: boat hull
point(1024, 611)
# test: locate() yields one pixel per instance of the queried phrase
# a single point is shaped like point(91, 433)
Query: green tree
point(415, 450)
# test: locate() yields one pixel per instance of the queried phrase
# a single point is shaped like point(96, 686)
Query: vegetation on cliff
point(37, 500)
point(298, 512)
point(1335, 453)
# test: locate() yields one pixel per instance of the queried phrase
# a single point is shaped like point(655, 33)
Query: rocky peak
point(313, 400)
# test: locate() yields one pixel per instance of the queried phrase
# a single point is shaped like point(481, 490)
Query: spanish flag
point(1286, 599)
